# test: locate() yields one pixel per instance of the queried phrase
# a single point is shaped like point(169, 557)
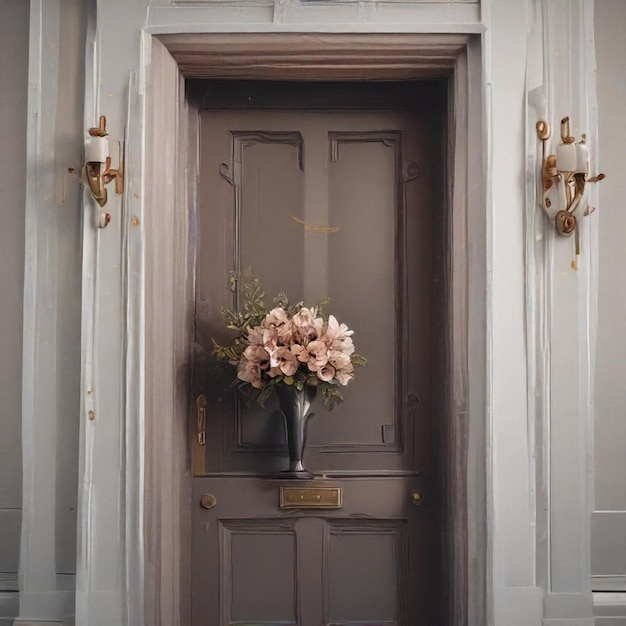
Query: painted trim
point(39, 598)
point(613, 584)
point(560, 318)
point(609, 608)
point(110, 555)
point(9, 606)
point(37, 534)
point(318, 17)
point(52, 217)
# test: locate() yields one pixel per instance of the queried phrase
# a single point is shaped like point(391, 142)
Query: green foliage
point(332, 396)
point(357, 359)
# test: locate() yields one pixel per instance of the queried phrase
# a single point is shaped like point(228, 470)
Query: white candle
point(582, 158)
point(566, 157)
point(96, 149)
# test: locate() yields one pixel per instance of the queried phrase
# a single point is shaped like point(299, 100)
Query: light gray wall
point(61, 146)
point(68, 145)
point(609, 527)
point(66, 121)
point(52, 299)
point(13, 98)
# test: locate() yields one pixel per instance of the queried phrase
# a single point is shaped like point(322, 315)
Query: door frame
point(170, 175)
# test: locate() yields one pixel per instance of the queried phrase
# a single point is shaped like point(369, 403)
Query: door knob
point(416, 498)
point(208, 501)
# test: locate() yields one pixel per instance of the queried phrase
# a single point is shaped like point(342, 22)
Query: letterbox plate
point(310, 497)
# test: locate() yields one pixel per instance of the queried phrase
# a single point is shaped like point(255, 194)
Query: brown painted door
point(343, 204)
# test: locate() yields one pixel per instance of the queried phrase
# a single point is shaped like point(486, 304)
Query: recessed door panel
point(259, 572)
point(367, 568)
point(361, 282)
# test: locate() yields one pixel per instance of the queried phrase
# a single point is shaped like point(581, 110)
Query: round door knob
point(416, 498)
point(208, 501)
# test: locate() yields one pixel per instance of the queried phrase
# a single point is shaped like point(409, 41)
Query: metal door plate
point(310, 498)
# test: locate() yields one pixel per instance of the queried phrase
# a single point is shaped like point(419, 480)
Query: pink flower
point(270, 339)
point(318, 355)
point(250, 373)
point(301, 352)
point(345, 375)
point(258, 356)
point(338, 359)
point(276, 317)
point(307, 326)
point(326, 373)
point(255, 336)
point(338, 336)
point(277, 322)
point(285, 360)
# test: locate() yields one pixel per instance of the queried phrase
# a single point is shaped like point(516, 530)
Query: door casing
point(169, 183)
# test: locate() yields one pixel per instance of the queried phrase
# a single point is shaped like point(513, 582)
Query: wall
point(52, 296)
point(110, 541)
point(609, 520)
point(13, 96)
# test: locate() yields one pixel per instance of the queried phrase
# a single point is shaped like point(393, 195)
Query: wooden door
point(345, 205)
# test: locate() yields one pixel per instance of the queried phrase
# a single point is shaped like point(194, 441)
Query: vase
point(295, 406)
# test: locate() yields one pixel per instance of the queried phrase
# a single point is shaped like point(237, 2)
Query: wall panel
point(608, 558)
point(13, 97)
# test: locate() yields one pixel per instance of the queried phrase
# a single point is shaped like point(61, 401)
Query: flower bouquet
point(292, 350)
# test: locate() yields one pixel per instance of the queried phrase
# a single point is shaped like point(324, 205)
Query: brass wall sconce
point(98, 172)
point(564, 178)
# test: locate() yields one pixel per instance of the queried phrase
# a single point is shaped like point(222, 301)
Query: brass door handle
point(208, 501)
point(201, 419)
point(416, 499)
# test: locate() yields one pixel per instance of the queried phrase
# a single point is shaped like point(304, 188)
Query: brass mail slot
point(310, 497)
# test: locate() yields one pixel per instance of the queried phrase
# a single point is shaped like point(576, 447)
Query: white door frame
point(169, 182)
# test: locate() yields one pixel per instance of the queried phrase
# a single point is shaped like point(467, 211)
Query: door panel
point(369, 562)
point(337, 228)
point(363, 177)
point(370, 558)
point(253, 591)
point(322, 204)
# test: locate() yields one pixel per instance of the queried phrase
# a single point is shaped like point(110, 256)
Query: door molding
point(167, 214)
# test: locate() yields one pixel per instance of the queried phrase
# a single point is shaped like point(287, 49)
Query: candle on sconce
point(582, 156)
point(566, 157)
point(96, 149)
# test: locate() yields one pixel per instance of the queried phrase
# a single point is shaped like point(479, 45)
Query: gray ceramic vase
point(295, 406)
